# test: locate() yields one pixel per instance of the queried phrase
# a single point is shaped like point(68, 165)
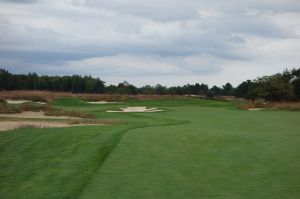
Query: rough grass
point(290, 106)
point(49, 110)
point(6, 108)
point(293, 106)
point(18, 108)
point(194, 149)
point(48, 96)
point(59, 112)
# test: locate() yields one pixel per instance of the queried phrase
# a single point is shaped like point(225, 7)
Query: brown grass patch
point(44, 122)
point(16, 124)
point(18, 108)
point(59, 112)
point(292, 106)
point(33, 115)
point(48, 96)
point(6, 108)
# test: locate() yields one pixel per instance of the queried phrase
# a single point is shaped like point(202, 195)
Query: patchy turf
point(193, 149)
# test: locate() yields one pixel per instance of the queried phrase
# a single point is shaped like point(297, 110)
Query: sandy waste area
point(9, 125)
point(22, 120)
point(19, 123)
point(36, 115)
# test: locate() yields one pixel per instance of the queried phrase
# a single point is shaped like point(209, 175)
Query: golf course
point(191, 148)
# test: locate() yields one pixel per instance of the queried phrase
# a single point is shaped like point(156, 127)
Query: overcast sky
point(171, 42)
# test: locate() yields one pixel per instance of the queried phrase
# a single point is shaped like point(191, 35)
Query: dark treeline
point(278, 87)
point(32, 81)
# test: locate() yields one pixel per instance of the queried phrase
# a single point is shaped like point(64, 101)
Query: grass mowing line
point(109, 151)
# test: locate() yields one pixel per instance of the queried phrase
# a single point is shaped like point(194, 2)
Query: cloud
point(150, 40)
point(20, 1)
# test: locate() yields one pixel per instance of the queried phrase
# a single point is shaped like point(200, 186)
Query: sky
point(168, 42)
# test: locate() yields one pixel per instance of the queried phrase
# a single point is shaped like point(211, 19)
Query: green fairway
point(193, 149)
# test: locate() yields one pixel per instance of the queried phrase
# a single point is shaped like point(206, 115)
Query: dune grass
point(194, 149)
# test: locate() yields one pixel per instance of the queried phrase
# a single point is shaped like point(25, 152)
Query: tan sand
point(10, 125)
point(137, 109)
point(37, 115)
point(22, 101)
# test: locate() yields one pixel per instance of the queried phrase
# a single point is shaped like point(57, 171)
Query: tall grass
point(59, 112)
point(47, 96)
point(292, 106)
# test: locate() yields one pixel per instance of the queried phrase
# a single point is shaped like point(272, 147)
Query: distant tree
point(175, 90)
point(111, 89)
point(295, 82)
point(5, 80)
point(203, 89)
point(147, 90)
point(121, 88)
point(32, 81)
point(210, 94)
point(255, 91)
point(213, 92)
point(274, 88)
point(160, 90)
point(227, 89)
point(243, 88)
point(99, 86)
point(216, 90)
point(126, 88)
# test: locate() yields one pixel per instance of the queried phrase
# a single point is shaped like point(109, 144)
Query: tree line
point(277, 87)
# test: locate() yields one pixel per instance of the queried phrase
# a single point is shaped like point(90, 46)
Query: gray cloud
point(20, 1)
point(133, 38)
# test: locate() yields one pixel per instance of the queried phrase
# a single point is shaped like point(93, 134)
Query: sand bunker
point(139, 109)
point(39, 115)
point(104, 102)
point(9, 125)
point(22, 101)
point(16, 101)
point(255, 109)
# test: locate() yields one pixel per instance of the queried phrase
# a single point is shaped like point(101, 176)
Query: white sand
point(255, 109)
point(137, 109)
point(43, 103)
point(17, 101)
point(22, 101)
point(104, 102)
point(30, 114)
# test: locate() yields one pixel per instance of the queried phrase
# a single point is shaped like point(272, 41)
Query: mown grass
point(52, 163)
point(194, 149)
